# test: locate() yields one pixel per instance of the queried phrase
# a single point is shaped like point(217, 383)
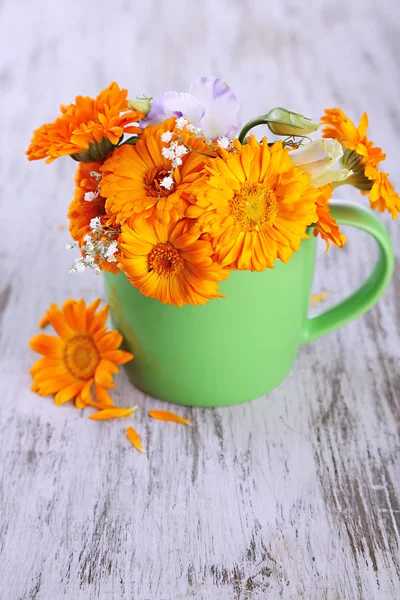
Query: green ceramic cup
point(238, 348)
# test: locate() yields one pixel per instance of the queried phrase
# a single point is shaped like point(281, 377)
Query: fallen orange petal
point(134, 439)
point(112, 413)
point(165, 415)
point(315, 298)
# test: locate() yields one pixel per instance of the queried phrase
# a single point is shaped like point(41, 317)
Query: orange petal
point(49, 345)
point(68, 393)
point(112, 413)
point(103, 397)
point(45, 363)
point(45, 373)
point(51, 386)
point(103, 377)
point(99, 320)
point(44, 321)
point(86, 395)
point(315, 298)
point(91, 311)
point(107, 340)
point(59, 322)
point(79, 403)
point(134, 439)
point(68, 311)
point(79, 312)
point(119, 357)
point(165, 415)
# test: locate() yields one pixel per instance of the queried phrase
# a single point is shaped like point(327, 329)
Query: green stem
point(261, 120)
point(336, 184)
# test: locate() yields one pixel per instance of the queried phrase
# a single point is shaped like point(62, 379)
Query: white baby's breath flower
point(89, 260)
point(90, 196)
point(95, 224)
point(193, 129)
point(101, 249)
point(181, 150)
point(70, 246)
point(96, 270)
point(80, 265)
point(95, 175)
point(181, 122)
point(167, 136)
point(89, 249)
point(223, 142)
point(167, 182)
point(176, 162)
point(111, 250)
point(168, 153)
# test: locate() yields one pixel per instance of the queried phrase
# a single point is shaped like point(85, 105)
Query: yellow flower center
point(165, 260)
point(81, 356)
point(254, 205)
point(153, 179)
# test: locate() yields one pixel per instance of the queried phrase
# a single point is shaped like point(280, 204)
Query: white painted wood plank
point(291, 496)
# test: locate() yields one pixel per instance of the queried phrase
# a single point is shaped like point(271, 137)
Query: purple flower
point(210, 104)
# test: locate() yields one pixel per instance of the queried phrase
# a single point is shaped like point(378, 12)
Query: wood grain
point(292, 496)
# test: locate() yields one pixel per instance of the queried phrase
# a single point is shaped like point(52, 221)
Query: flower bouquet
point(180, 207)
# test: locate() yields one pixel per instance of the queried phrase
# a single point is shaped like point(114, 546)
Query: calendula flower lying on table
point(81, 358)
point(186, 199)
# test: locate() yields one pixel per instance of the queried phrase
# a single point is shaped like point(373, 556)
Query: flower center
point(81, 357)
point(165, 260)
point(254, 205)
point(153, 179)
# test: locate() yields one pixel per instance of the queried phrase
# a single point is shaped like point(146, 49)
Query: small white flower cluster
point(177, 148)
point(173, 152)
point(90, 196)
point(225, 143)
point(193, 129)
point(99, 245)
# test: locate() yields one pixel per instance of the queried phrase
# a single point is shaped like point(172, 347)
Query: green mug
point(241, 347)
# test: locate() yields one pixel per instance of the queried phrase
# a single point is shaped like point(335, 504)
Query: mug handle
point(365, 297)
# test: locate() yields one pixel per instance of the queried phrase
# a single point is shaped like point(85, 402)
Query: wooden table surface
point(293, 496)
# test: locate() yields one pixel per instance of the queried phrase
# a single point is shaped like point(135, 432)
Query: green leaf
point(97, 151)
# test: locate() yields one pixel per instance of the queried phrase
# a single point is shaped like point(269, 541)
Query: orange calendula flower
point(137, 180)
point(87, 205)
point(363, 158)
point(255, 204)
point(326, 225)
point(134, 439)
point(84, 353)
point(170, 262)
point(112, 413)
point(87, 130)
point(165, 415)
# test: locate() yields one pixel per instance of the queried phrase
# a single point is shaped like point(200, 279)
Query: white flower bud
point(318, 158)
